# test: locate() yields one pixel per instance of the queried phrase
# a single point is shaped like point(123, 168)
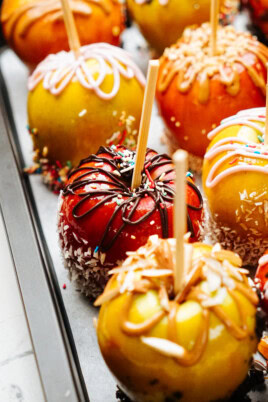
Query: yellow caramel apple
point(236, 186)
point(162, 346)
point(35, 28)
point(163, 21)
point(75, 106)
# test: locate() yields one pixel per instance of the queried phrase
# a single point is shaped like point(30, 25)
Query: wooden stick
point(266, 120)
point(214, 20)
point(147, 108)
point(69, 22)
point(179, 217)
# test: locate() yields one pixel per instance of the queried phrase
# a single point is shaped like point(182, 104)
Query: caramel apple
point(35, 28)
point(163, 21)
point(235, 184)
point(196, 90)
point(76, 105)
point(196, 345)
point(101, 218)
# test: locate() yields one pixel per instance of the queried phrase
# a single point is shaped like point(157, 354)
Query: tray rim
point(67, 379)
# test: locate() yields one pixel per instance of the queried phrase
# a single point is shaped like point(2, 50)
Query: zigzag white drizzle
point(58, 70)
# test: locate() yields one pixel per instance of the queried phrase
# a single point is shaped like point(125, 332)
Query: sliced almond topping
point(119, 270)
point(216, 248)
point(216, 300)
point(243, 271)
point(106, 296)
point(156, 272)
point(164, 346)
point(164, 300)
point(234, 271)
point(233, 258)
point(128, 283)
point(228, 282)
point(142, 286)
point(214, 280)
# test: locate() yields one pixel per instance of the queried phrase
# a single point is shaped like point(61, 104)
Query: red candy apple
point(100, 218)
point(261, 279)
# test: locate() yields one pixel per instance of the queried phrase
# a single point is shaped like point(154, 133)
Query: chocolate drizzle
point(160, 190)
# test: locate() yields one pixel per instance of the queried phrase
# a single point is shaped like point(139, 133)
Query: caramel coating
point(35, 28)
point(157, 345)
point(163, 21)
point(196, 90)
point(71, 124)
point(235, 176)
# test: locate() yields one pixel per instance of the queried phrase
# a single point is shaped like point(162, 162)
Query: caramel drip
point(238, 332)
point(233, 328)
point(172, 322)
point(26, 15)
point(242, 312)
point(195, 275)
point(247, 292)
point(138, 329)
point(257, 79)
point(192, 357)
point(190, 60)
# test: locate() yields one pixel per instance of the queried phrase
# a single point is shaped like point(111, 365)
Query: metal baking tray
point(60, 318)
point(52, 339)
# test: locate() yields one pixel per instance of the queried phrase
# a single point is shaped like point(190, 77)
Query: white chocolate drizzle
point(58, 70)
point(246, 153)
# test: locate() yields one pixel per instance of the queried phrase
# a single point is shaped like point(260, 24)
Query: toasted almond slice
point(233, 258)
point(216, 247)
point(164, 300)
point(106, 296)
point(119, 270)
point(214, 280)
point(142, 285)
point(156, 272)
point(243, 271)
point(213, 264)
point(234, 271)
point(164, 346)
point(216, 300)
point(128, 284)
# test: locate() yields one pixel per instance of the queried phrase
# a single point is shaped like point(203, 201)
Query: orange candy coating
point(194, 109)
point(34, 28)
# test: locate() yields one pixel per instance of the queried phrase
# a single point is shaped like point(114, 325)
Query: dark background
point(1, 35)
